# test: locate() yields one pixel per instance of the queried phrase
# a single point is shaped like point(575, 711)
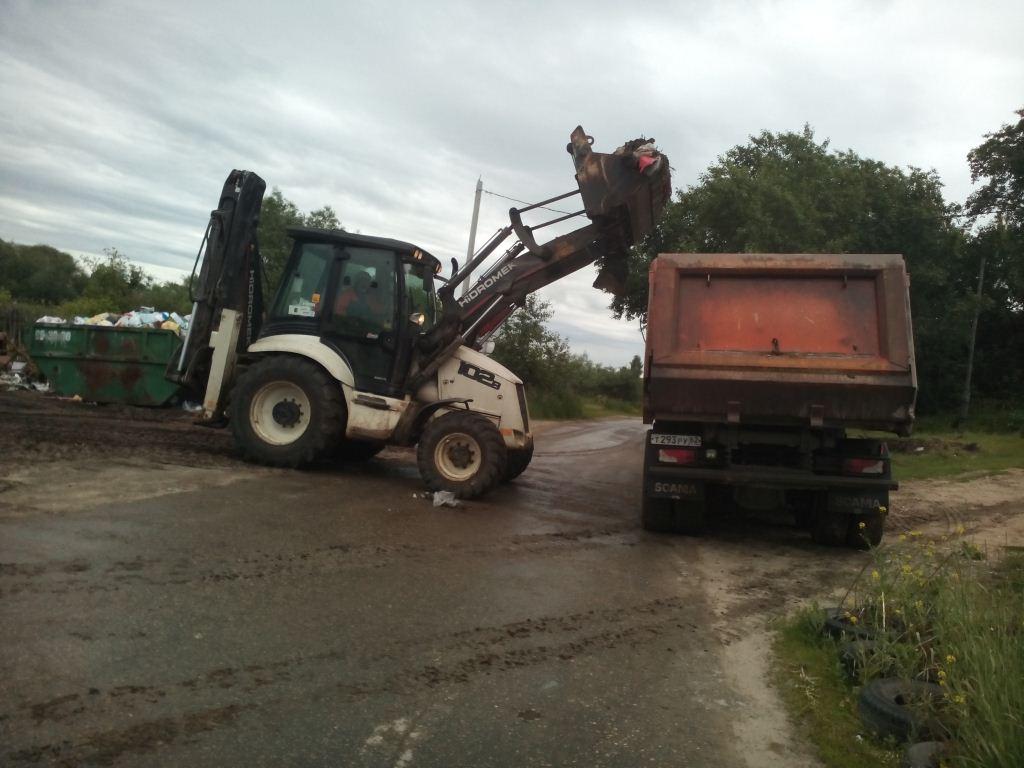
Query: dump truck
point(765, 379)
point(366, 344)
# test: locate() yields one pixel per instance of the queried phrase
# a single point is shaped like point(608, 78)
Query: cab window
point(419, 287)
point(305, 283)
point(364, 303)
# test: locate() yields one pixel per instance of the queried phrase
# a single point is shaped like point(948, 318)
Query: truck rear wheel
point(462, 452)
point(868, 536)
point(830, 528)
point(286, 412)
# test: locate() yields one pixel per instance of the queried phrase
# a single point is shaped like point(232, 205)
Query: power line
point(514, 200)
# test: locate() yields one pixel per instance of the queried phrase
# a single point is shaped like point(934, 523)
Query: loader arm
point(622, 195)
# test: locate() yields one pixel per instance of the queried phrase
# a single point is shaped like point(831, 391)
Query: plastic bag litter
point(129, 320)
point(103, 318)
point(445, 499)
point(191, 407)
point(51, 320)
point(12, 381)
point(152, 318)
point(170, 325)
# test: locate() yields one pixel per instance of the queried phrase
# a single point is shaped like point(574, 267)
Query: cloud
point(119, 121)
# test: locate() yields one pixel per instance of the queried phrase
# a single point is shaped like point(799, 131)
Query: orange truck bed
point(821, 340)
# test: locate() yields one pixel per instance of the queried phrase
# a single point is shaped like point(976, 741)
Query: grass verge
point(946, 454)
point(822, 705)
point(941, 611)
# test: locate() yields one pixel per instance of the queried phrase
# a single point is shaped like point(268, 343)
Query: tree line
point(42, 280)
point(562, 384)
point(790, 193)
point(777, 193)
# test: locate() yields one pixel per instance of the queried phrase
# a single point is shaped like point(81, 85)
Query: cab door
point(361, 318)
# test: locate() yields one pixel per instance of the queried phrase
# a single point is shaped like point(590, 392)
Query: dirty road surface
point(162, 603)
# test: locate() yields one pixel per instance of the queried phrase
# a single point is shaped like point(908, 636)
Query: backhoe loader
point(360, 349)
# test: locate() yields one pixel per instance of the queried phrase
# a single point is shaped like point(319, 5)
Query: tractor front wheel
point(461, 452)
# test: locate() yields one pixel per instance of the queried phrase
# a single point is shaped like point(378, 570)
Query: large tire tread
point(494, 459)
point(518, 460)
point(327, 420)
point(830, 529)
point(881, 711)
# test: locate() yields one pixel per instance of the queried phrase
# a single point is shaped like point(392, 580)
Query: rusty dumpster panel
point(813, 339)
point(106, 365)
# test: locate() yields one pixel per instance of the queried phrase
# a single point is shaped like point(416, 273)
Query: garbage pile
point(143, 317)
point(15, 370)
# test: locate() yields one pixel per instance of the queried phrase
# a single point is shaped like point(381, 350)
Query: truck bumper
point(682, 480)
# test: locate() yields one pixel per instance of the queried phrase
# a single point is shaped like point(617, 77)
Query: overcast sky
point(120, 121)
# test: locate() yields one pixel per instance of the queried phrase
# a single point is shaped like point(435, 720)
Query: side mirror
point(418, 318)
point(488, 347)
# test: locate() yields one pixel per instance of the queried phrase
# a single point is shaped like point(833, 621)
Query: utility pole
point(472, 231)
point(965, 402)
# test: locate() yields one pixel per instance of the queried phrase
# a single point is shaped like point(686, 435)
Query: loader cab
point(368, 298)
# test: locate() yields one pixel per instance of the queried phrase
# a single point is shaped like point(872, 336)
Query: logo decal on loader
point(484, 284)
point(486, 378)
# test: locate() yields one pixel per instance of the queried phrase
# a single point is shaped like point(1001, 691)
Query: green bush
point(555, 404)
point(944, 612)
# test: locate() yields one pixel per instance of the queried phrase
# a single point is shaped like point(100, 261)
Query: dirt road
point(162, 603)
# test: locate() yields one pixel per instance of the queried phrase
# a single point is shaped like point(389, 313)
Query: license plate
point(687, 441)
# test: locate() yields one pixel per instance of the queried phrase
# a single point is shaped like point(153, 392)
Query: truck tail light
point(863, 466)
point(677, 455)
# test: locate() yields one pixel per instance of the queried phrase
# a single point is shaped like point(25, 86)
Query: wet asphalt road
point(235, 616)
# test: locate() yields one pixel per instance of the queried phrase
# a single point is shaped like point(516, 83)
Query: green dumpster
point(105, 364)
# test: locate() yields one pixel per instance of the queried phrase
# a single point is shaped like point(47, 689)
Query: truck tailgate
point(818, 339)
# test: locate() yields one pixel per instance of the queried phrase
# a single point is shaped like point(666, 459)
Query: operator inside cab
point(363, 297)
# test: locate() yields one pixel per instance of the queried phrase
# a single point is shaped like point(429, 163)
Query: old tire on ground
point(518, 460)
point(838, 627)
point(867, 537)
point(355, 451)
point(461, 452)
point(854, 656)
point(924, 754)
point(657, 515)
point(286, 411)
point(886, 707)
point(830, 528)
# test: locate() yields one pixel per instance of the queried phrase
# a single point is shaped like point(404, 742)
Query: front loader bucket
point(625, 190)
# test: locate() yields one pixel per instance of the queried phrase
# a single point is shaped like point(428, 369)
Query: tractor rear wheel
point(286, 411)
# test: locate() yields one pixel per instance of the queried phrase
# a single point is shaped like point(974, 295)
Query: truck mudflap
point(863, 501)
point(658, 487)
